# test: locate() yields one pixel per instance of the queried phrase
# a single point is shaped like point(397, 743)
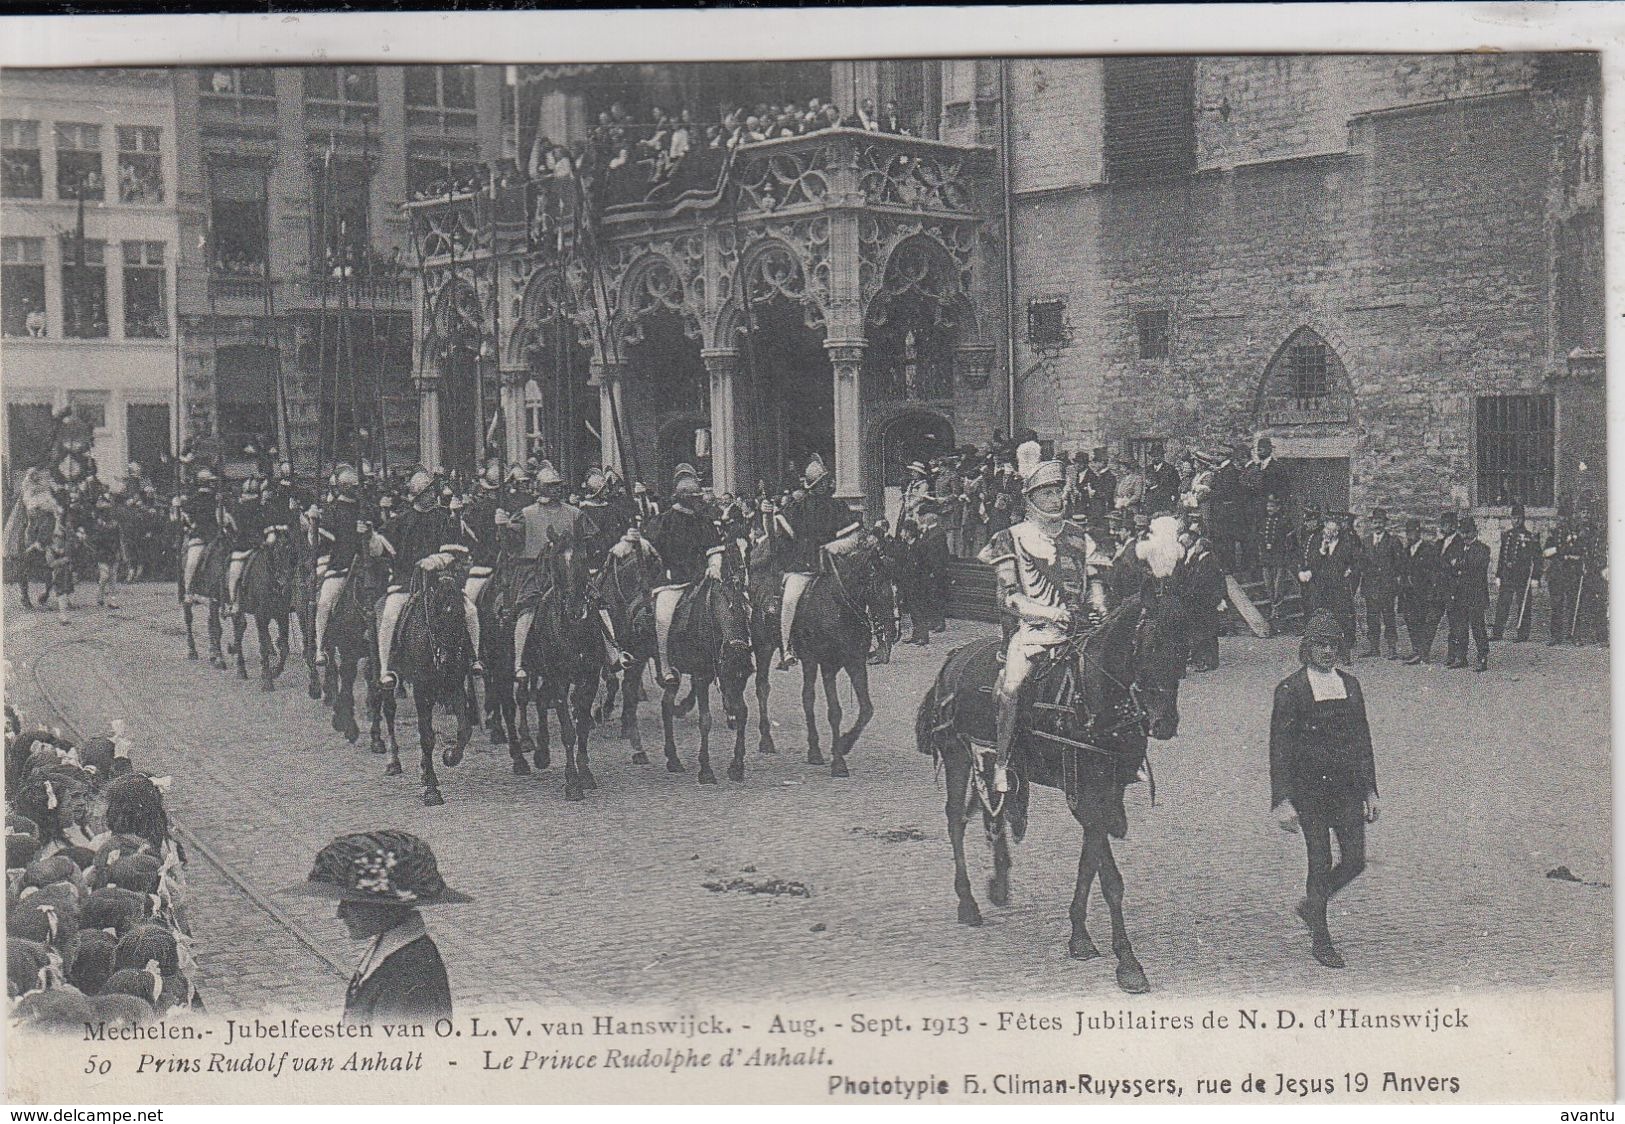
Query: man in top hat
point(1469, 597)
point(381, 879)
point(1383, 563)
point(199, 514)
point(1097, 489)
point(1204, 596)
point(810, 525)
point(544, 525)
point(1437, 580)
point(690, 547)
point(424, 536)
point(1330, 572)
point(1046, 568)
point(1416, 588)
point(1517, 572)
point(1161, 482)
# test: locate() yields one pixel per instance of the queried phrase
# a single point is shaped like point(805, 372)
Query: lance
point(1523, 612)
point(1579, 592)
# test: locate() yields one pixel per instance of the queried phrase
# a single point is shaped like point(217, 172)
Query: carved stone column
point(513, 413)
point(846, 359)
point(429, 421)
point(727, 472)
point(607, 378)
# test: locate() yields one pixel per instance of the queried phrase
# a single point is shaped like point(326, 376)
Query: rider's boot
point(521, 635)
point(1004, 741)
point(471, 619)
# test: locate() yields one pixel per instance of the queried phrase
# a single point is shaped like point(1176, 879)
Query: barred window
point(1152, 327)
point(1517, 449)
point(22, 287)
point(20, 176)
point(78, 161)
point(1150, 118)
point(1046, 323)
point(1307, 368)
point(140, 164)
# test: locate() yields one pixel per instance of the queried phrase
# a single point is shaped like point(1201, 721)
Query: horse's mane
point(1106, 648)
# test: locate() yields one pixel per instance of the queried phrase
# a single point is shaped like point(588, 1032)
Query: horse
point(266, 593)
point(625, 590)
point(351, 642)
point(1093, 705)
point(563, 658)
point(832, 634)
point(209, 586)
point(433, 654)
point(710, 642)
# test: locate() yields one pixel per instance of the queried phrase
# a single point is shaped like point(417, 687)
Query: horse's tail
point(925, 723)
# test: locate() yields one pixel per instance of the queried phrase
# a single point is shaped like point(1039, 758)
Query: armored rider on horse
point(1047, 569)
point(422, 537)
point(813, 526)
point(690, 547)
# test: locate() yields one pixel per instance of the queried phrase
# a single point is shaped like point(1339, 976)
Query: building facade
point(1391, 265)
point(89, 236)
point(296, 293)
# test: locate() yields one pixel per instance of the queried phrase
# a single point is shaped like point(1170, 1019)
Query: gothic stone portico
point(830, 284)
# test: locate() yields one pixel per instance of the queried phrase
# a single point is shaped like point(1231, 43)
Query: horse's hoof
point(433, 799)
point(674, 766)
point(1131, 977)
point(496, 736)
point(267, 684)
point(640, 758)
point(527, 744)
point(393, 769)
point(733, 723)
point(707, 776)
point(521, 767)
point(541, 760)
point(969, 914)
point(815, 756)
point(192, 655)
point(352, 733)
point(242, 673)
point(736, 772)
point(588, 781)
point(837, 768)
point(1080, 947)
point(998, 891)
point(572, 791)
point(377, 745)
point(452, 757)
point(766, 746)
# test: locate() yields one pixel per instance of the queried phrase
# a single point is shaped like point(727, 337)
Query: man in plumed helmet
point(342, 531)
point(536, 531)
point(690, 546)
point(608, 519)
point(1046, 568)
point(199, 515)
point(247, 524)
point(809, 524)
point(424, 536)
point(381, 879)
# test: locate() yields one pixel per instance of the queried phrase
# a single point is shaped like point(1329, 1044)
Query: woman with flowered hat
point(1323, 776)
point(381, 879)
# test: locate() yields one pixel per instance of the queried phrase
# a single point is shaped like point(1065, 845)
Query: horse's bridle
point(1135, 714)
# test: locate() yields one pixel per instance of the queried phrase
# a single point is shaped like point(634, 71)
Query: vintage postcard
point(1060, 558)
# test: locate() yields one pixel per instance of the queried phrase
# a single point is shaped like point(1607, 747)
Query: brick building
point(1391, 265)
point(87, 194)
point(295, 294)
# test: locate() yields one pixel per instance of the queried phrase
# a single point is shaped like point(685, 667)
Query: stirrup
point(787, 660)
point(387, 679)
point(520, 675)
point(476, 668)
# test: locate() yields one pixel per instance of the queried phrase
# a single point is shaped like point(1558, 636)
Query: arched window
point(1305, 383)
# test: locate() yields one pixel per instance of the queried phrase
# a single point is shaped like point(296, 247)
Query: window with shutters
point(1517, 449)
point(140, 164)
point(1150, 118)
point(78, 161)
point(22, 287)
point(20, 176)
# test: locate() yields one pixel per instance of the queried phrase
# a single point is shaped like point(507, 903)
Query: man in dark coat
point(1203, 593)
point(1321, 764)
point(1278, 553)
point(381, 879)
point(935, 560)
point(1416, 594)
point(1384, 563)
point(1330, 570)
point(1308, 539)
point(1161, 483)
point(1097, 490)
point(1517, 573)
point(1564, 555)
point(1469, 597)
point(1227, 502)
point(1442, 582)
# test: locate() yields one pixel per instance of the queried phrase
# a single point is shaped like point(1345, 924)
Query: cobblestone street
point(1488, 782)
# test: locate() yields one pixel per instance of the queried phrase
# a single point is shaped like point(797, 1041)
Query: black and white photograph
point(1073, 576)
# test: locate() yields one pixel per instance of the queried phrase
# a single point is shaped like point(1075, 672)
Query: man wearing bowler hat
point(381, 879)
point(1384, 560)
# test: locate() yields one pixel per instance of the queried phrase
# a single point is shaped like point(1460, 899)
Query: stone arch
point(653, 283)
point(545, 301)
point(919, 264)
point(456, 316)
point(1305, 382)
point(883, 446)
point(764, 267)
